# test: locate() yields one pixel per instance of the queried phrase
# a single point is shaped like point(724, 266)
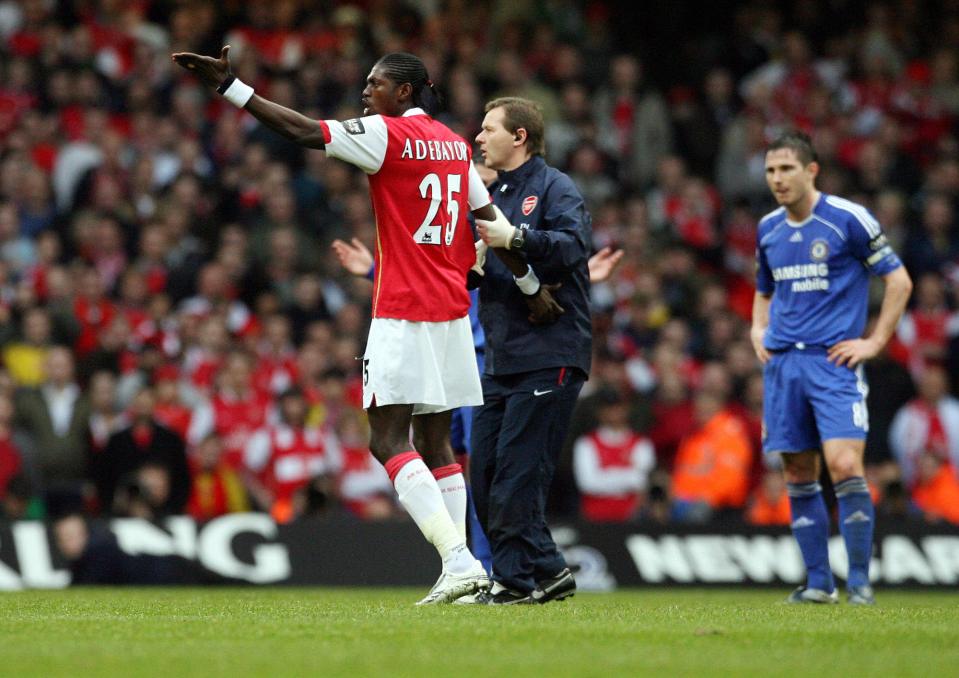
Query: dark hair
point(402, 67)
point(333, 373)
point(291, 392)
point(19, 487)
point(523, 113)
point(799, 142)
point(607, 396)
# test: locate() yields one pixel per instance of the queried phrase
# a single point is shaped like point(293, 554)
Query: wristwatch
point(519, 239)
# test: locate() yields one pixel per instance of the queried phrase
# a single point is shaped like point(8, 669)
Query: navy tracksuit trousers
point(518, 434)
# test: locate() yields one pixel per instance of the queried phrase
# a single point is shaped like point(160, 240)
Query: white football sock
point(420, 496)
point(453, 489)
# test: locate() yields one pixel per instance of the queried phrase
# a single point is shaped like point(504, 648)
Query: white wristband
point(529, 283)
point(238, 93)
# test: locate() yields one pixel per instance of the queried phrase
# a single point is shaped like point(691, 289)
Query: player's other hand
point(496, 233)
point(354, 256)
point(851, 352)
point(208, 69)
point(756, 335)
point(603, 263)
point(543, 308)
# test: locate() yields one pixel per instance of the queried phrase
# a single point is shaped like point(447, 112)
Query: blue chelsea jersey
point(818, 272)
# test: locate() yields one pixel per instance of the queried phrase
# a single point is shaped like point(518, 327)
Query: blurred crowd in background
point(177, 336)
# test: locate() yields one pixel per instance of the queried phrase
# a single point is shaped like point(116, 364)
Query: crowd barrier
point(252, 548)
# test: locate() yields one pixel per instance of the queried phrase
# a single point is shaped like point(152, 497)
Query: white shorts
point(431, 366)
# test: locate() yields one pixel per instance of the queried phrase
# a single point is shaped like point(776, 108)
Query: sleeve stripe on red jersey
point(327, 137)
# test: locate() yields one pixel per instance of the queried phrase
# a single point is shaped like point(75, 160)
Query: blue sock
point(856, 521)
point(810, 525)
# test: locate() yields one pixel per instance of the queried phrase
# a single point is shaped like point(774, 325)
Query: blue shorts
point(808, 399)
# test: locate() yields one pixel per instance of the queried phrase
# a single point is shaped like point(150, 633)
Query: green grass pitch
point(378, 632)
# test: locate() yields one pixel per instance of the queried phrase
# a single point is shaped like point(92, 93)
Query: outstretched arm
point(216, 74)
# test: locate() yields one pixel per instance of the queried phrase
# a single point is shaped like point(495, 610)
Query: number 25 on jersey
point(431, 189)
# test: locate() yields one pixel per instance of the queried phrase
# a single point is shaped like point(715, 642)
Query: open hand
point(603, 263)
point(211, 71)
point(354, 256)
point(543, 308)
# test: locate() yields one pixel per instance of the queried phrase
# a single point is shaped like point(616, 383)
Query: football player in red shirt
point(419, 356)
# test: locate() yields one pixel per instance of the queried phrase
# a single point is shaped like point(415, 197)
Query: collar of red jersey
point(414, 111)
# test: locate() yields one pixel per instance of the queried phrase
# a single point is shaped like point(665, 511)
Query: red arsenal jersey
point(232, 418)
point(422, 183)
point(611, 469)
point(288, 458)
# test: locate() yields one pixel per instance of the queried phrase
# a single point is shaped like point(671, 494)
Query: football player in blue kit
point(815, 255)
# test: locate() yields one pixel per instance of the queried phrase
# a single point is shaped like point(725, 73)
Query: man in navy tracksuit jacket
point(533, 373)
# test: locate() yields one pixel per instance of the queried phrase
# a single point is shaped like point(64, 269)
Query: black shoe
point(560, 587)
point(509, 597)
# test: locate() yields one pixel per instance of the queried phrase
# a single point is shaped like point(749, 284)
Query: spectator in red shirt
point(234, 412)
point(107, 254)
point(215, 295)
point(113, 351)
point(170, 410)
point(673, 417)
point(612, 464)
point(926, 330)
point(49, 250)
point(364, 485)
point(276, 358)
point(10, 460)
point(285, 457)
point(927, 424)
point(203, 360)
point(217, 488)
point(636, 116)
point(151, 261)
point(133, 306)
point(92, 309)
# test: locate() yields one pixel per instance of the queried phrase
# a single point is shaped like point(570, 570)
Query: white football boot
point(453, 585)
